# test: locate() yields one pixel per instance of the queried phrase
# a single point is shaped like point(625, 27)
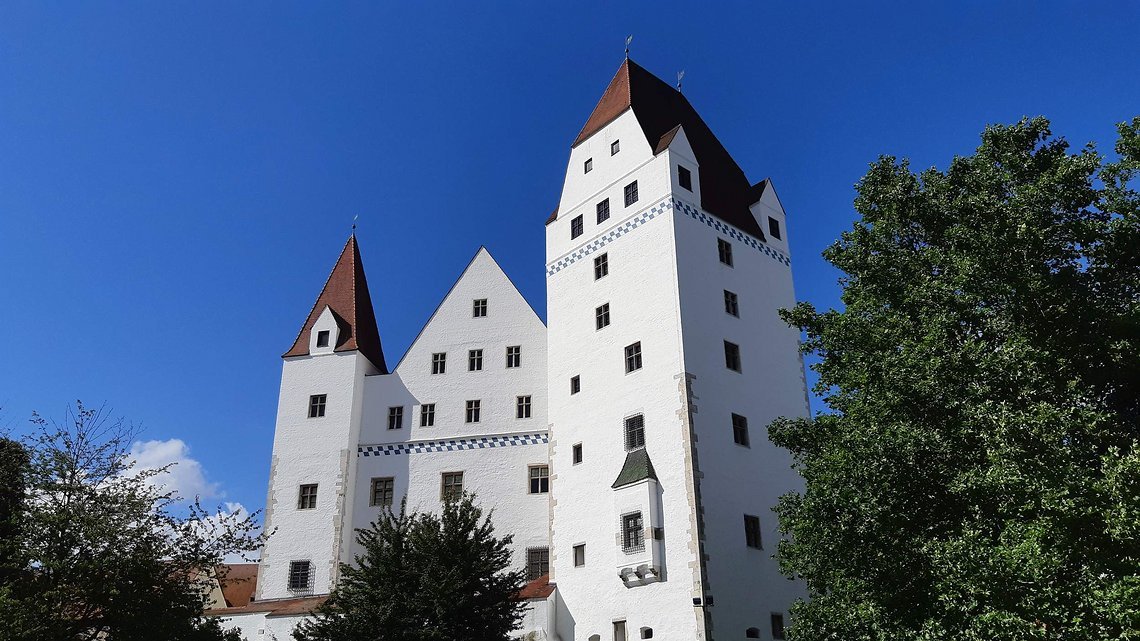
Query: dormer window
point(615, 147)
point(684, 178)
point(589, 165)
point(774, 227)
point(323, 338)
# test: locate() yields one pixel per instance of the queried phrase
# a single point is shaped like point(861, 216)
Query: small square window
point(732, 356)
point(576, 227)
point(724, 250)
point(323, 338)
point(475, 360)
point(300, 576)
point(317, 405)
point(602, 316)
point(632, 533)
point(615, 147)
point(731, 306)
point(588, 166)
point(537, 562)
point(473, 409)
point(539, 479)
point(603, 211)
point(396, 418)
point(601, 266)
point(383, 491)
point(439, 363)
point(777, 626)
point(479, 308)
point(752, 531)
point(752, 633)
point(579, 555)
point(307, 497)
point(631, 193)
point(522, 407)
point(740, 430)
point(634, 432)
point(576, 453)
point(633, 357)
point(514, 356)
point(452, 486)
point(575, 384)
point(427, 415)
point(774, 227)
point(684, 178)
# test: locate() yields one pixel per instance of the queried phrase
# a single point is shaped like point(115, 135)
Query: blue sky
point(176, 179)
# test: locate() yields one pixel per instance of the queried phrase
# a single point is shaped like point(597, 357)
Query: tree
point(95, 550)
point(424, 577)
point(978, 473)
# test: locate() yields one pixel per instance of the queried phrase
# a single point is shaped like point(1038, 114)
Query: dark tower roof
point(660, 110)
point(346, 294)
point(637, 467)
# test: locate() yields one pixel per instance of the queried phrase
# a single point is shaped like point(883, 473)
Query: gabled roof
point(346, 294)
point(660, 109)
point(637, 467)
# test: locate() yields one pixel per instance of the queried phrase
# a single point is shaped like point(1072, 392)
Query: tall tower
point(313, 470)
point(666, 360)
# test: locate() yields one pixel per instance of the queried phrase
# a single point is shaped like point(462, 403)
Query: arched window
point(752, 633)
point(647, 633)
point(595, 637)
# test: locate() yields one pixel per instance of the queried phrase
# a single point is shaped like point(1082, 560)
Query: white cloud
point(185, 477)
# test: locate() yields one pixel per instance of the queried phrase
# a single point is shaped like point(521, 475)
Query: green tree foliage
point(424, 577)
point(94, 549)
point(978, 476)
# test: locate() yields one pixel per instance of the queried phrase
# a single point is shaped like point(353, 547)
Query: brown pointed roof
point(660, 110)
point(346, 293)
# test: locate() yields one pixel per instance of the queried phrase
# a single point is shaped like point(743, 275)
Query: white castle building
point(623, 444)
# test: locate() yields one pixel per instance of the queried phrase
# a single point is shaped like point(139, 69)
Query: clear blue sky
point(176, 179)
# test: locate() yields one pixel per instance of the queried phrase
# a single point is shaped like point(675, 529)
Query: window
point(752, 532)
point(427, 415)
point(479, 308)
point(575, 384)
point(631, 193)
point(684, 178)
point(537, 562)
point(383, 490)
point(602, 316)
point(317, 405)
point(732, 356)
point(601, 266)
point(307, 497)
point(395, 418)
point(475, 360)
point(576, 227)
point(473, 411)
point(724, 249)
point(579, 555)
point(576, 453)
point(752, 633)
point(634, 432)
point(588, 165)
point(615, 147)
point(633, 357)
point(777, 626)
point(300, 575)
point(323, 338)
point(452, 489)
point(619, 631)
point(647, 633)
point(774, 227)
point(603, 211)
point(514, 356)
point(539, 479)
point(731, 305)
point(522, 407)
point(632, 533)
point(740, 430)
point(439, 363)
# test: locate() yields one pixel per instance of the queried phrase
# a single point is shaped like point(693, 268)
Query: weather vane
point(354, 223)
point(628, 39)
point(680, 75)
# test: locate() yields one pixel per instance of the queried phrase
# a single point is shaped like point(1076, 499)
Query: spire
point(346, 294)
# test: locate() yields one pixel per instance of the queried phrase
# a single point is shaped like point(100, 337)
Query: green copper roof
point(637, 467)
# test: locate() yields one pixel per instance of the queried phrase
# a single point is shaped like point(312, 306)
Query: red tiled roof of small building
point(539, 588)
point(238, 581)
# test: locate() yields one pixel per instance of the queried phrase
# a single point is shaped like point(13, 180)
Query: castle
point(623, 444)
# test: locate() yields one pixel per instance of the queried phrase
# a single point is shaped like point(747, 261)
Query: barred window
point(473, 408)
point(452, 486)
point(479, 308)
point(307, 497)
point(633, 357)
point(576, 228)
point(539, 479)
point(537, 562)
point(731, 306)
point(383, 491)
point(475, 360)
point(439, 363)
point(300, 576)
point(601, 266)
point(317, 405)
point(427, 415)
point(634, 432)
point(631, 193)
point(395, 418)
point(603, 211)
point(522, 407)
point(602, 316)
point(740, 430)
point(514, 356)
point(632, 533)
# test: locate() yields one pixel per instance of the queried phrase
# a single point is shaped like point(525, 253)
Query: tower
point(666, 361)
point(319, 415)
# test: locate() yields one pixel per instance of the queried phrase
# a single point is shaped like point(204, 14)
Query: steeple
point(346, 295)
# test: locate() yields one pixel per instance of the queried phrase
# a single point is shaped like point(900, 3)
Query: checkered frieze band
point(452, 445)
point(730, 231)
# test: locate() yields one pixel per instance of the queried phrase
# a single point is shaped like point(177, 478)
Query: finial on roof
point(680, 75)
point(354, 224)
point(628, 39)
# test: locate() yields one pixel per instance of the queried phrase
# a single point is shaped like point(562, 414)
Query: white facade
point(691, 568)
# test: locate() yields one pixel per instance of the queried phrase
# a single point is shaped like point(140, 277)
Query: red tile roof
point(539, 588)
point(346, 293)
point(660, 110)
point(274, 608)
point(238, 581)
